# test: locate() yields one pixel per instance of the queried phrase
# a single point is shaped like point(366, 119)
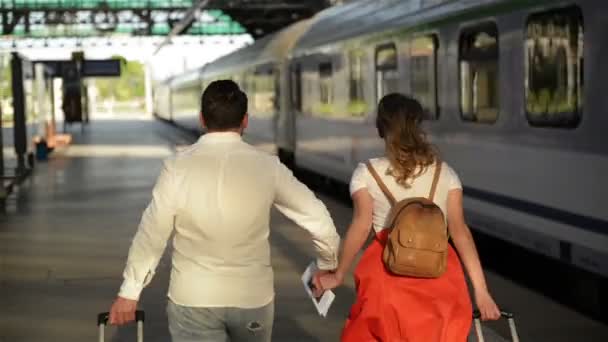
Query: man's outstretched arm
point(147, 247)
point(301, 205)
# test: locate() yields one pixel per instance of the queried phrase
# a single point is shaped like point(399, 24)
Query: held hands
point(122, 311)
point(486, 305)
point(326, 280)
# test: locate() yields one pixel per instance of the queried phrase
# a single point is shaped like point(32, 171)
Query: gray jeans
point(193, 324)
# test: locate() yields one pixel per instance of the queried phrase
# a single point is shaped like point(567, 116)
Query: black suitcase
point(507, 315)
point(102, 321)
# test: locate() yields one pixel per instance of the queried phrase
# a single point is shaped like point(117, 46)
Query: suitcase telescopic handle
point(504, 314)
point(102, 321)
point(102, 318)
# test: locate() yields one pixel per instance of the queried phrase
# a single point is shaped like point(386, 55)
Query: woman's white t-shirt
point(420, 187)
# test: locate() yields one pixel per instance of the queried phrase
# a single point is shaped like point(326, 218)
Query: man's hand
point(122, 311)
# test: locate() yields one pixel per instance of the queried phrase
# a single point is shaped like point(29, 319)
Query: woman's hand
point(325, 280)
point(330, 281)
point(486, 305)
point(315, 283)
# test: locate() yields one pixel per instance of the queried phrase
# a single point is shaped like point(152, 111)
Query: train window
point(554, 68)
point(356, 105)
point(423, 73)
point(386, 70)
point(296, 87)
point(479, 74)
point(325, 91)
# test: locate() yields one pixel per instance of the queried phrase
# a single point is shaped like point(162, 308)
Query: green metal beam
point(185, 23)
point(85, 18)
point(36, 24)
point(94, 4)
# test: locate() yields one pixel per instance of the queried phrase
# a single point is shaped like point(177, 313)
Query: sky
point(186, 52)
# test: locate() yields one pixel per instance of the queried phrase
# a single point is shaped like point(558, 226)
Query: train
point(513, 98)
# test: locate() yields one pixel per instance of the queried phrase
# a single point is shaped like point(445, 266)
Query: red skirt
point(391, 308)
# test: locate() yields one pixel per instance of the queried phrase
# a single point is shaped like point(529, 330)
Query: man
point(217, 197)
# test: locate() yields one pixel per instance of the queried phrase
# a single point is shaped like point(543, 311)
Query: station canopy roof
point(87, 18)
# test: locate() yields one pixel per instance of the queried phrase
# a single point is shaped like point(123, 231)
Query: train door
point(265, 106)
point(286, 131)
point(276, 103)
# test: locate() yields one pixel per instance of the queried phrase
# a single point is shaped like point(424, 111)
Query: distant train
point(513, 90)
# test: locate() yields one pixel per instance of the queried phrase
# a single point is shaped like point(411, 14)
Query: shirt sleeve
point(298, 203)
point(359, 179)
point(151, 238)
point(453, 179)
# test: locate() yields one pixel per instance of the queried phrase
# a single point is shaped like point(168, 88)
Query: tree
point(129, 86)
point(6, 86)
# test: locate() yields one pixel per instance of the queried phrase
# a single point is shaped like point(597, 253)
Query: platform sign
point(99, 68)
point(90, 67)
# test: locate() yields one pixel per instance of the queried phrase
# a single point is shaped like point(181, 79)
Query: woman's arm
point(357, 234)
point(463, 240)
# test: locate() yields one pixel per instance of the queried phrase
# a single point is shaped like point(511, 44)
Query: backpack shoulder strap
point(435, 179)
point(381, 184)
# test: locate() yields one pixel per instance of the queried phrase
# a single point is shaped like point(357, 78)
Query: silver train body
point(513, 91)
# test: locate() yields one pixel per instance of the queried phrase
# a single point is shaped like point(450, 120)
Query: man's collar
point(219, 137)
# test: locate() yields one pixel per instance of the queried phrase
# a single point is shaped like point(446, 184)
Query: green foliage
point(324, 108)
point(357, 108)
point(129, 86)
point(547, 102)
point(6, 87)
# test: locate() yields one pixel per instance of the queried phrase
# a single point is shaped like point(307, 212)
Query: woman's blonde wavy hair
point(398, 122)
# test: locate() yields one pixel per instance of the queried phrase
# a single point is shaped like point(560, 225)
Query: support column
point(1, 147)
point(3, 65)
point(19, 117)
point(3, 192)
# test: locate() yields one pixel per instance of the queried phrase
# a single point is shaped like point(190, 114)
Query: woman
point(395, 308)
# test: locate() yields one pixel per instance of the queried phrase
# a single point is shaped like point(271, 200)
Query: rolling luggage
point(102, 321)
point(504, 314)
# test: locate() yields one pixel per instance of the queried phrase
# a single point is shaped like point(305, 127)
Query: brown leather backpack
point(417, 245)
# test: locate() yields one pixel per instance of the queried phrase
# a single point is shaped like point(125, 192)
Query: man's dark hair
point(223, 105)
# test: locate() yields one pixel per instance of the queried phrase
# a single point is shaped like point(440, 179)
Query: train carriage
point(162, 100)
point(261, 70)
point(185, 100)
point(512, 91)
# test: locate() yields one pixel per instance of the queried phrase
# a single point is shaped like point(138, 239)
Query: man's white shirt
point(217, 196)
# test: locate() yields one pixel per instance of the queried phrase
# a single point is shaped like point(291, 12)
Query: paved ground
point(64, 240)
